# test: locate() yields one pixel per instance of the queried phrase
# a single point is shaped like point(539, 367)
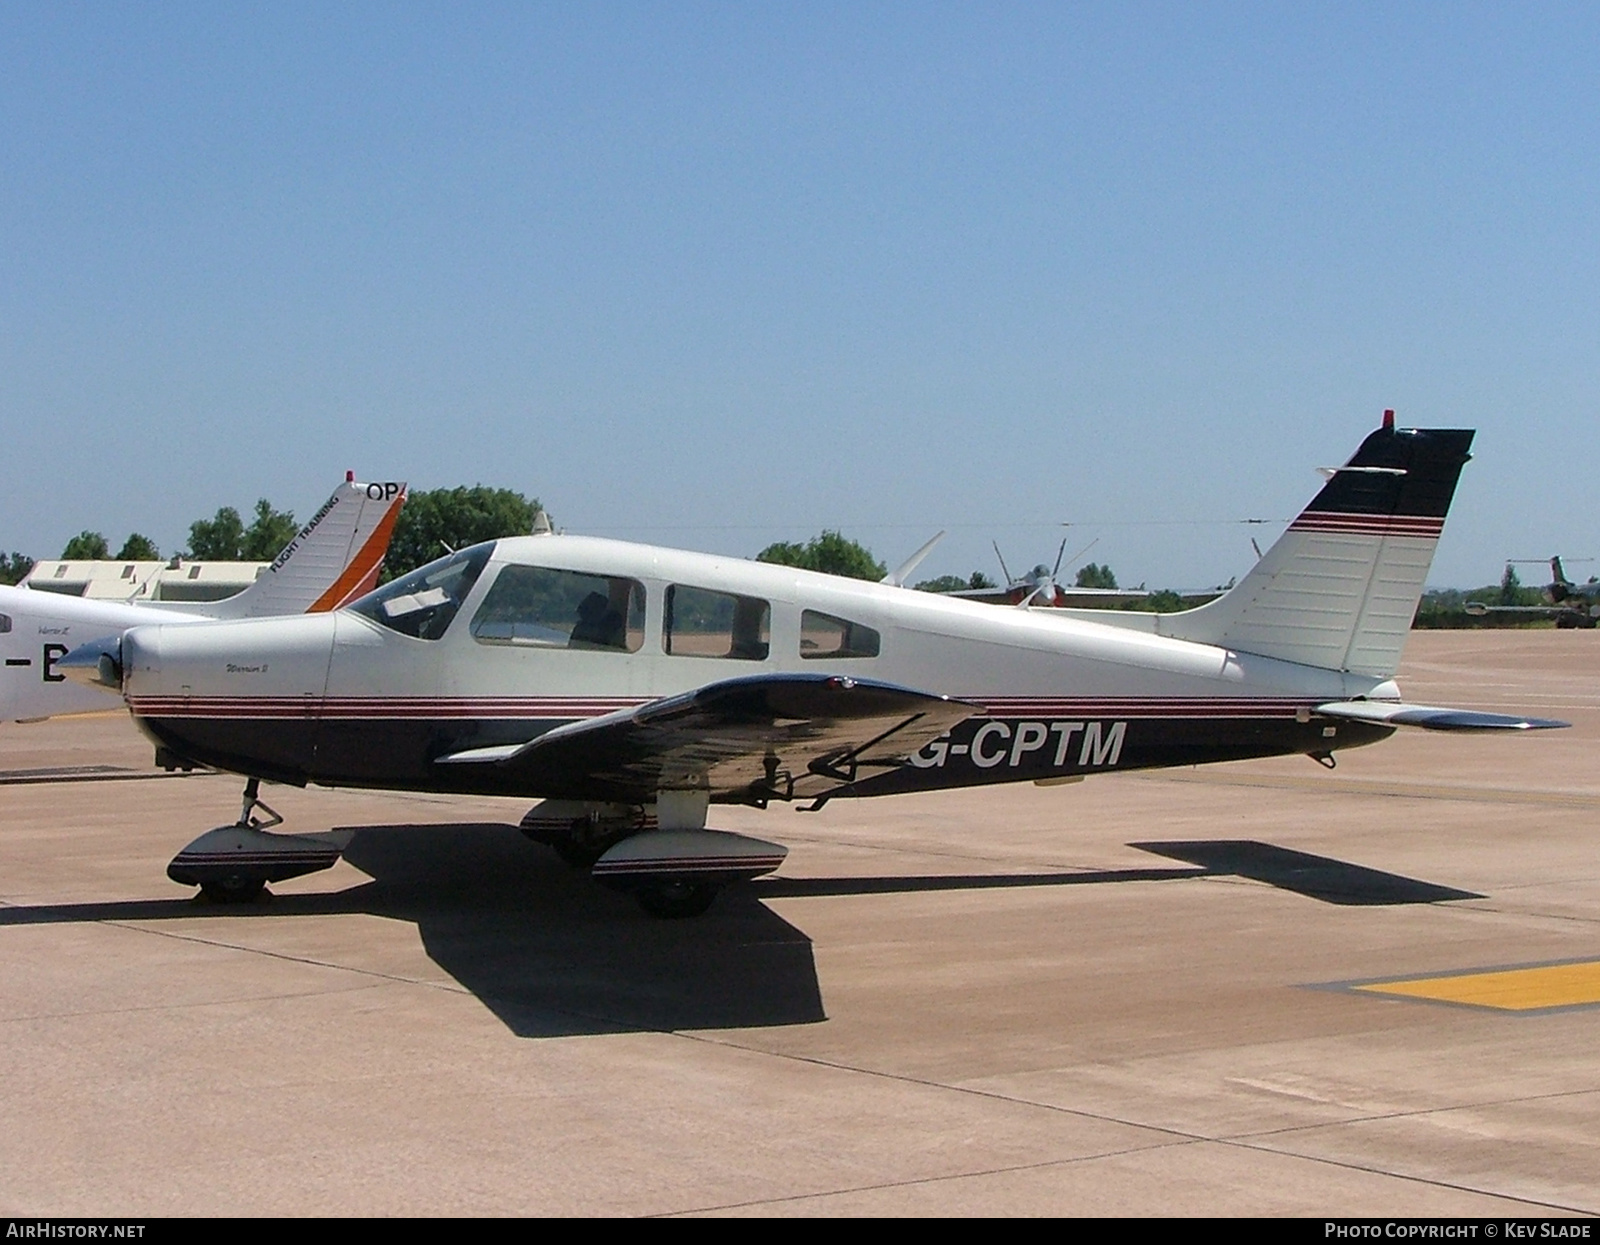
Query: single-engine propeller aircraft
point(632, 688)
point(331, 561)
point(1573, 606)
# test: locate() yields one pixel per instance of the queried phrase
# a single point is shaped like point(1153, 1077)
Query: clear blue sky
point(715, 275)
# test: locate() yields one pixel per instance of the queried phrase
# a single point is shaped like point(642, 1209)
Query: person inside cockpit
point(598, 626)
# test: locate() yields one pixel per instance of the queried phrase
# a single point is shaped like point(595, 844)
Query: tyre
point(676, 899)
point(578, 855)
point(233, 890)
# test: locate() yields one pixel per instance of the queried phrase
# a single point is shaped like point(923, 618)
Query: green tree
point(830, 553)
point(266, 536)
point(138, 548)
point(1095, 576)
point(433, 522)
point(217, 539)
point(14, 567)
point(954, 583)
point(1510, 587)
point(86, 547)
point(225, 538)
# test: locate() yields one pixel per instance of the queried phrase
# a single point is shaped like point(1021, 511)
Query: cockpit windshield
point(423, 603)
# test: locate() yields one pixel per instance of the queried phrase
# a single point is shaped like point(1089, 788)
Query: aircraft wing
point(1431, 717)
point(783, 736)
point(988, 596)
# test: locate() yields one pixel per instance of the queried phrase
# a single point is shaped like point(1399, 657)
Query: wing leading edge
point(787, 736)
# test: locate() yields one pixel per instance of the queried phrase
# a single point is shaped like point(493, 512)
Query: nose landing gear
point(233, 864)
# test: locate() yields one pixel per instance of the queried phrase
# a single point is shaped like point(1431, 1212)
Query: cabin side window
point(423, 603)
point(703, 623)
point(537, 607)
point(823, 635)
point(5, 624)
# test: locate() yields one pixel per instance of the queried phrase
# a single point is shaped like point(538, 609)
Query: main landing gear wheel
point(676, 898)
point(578, 855)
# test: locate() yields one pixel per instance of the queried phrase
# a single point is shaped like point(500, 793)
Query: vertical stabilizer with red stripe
point(1340, 587)
point(333, 559)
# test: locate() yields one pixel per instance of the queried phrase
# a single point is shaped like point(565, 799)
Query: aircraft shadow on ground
point(552, 954)
point(1316, 877)
point(545, 949)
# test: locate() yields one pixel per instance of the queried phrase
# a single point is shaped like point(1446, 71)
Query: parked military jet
point(1039, 588)
point(632, 687)
point(331, 561)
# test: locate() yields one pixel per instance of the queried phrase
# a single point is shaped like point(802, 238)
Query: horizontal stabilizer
point(1431, 717)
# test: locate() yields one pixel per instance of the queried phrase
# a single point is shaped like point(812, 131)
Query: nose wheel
point(233, 864)
point(233, 889)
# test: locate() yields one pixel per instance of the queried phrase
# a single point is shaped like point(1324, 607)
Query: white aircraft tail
point(1340, 587)
point(333, 559)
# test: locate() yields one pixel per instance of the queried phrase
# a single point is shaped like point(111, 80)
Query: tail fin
point(333, 560)
point(1340, 587)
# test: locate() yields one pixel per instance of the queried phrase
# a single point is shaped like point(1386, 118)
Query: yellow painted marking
point(1509, 989)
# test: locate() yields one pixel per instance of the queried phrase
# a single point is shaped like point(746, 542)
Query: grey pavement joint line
point(1478, 905)
point(192, 1005)
point(1178, 1136)
point(1380, 1116)
point(1434, 1181)
point(845, 1190)
point(948, 1177)
point(396, 978)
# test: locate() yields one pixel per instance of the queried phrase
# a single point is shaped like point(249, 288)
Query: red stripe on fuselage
point(512, 708)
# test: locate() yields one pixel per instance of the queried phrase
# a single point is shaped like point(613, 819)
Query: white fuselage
point(338, 682)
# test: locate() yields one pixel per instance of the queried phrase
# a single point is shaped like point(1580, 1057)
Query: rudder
point(1339, 589)
point(331, 561)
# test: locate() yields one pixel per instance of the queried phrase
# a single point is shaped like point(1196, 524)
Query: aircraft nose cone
point(95, 664)
point(252, 659)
